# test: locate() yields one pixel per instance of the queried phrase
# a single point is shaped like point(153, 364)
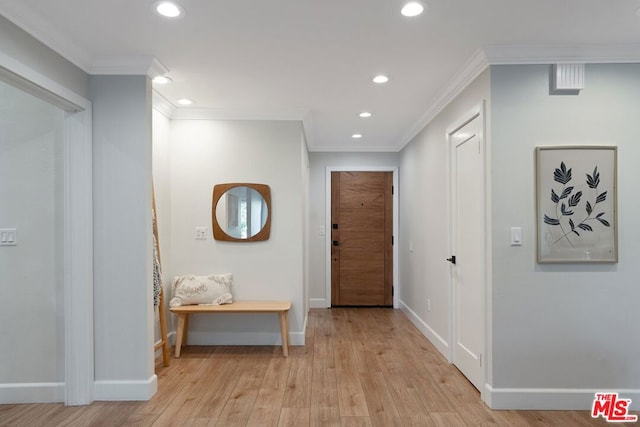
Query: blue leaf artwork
point(567, 214)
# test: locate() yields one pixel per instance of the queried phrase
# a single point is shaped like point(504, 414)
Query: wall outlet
point(8, 237)
point(201, 233)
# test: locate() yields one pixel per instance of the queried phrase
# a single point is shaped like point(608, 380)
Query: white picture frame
point(576, 204)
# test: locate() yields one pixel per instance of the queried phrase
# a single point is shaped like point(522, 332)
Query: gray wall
point(20, 46)
point(424, 218)
point(319, 161)
point(122, 236)
point(557, 333)
point(564, 326)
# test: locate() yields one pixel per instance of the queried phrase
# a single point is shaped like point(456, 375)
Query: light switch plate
point(516, 236)
point(8, 237)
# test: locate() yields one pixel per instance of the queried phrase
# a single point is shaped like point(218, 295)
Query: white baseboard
point(318, 303)
point(242, 338)
point(435, 339)
point(126, 390)
point(31, 393)
point(551, 399)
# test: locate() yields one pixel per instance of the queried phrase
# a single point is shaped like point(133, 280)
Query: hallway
point(360, 367)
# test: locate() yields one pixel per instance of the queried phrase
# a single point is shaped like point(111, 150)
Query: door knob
point(452, 260)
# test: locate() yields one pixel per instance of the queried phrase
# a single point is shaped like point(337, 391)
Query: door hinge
point(393, 290)
point(392, 190)
point(392, 240)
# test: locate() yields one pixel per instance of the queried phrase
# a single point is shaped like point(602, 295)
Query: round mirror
point(241, 212)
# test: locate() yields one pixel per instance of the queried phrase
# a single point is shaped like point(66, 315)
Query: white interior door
point(468, 247)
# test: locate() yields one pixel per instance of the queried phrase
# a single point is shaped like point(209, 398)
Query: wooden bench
point(280, 307)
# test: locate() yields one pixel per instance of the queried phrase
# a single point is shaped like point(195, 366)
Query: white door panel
point(468, 241)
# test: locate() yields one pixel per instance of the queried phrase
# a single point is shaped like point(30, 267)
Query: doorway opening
point(56, 143)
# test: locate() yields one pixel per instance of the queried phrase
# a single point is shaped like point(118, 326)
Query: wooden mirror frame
point(218, 232)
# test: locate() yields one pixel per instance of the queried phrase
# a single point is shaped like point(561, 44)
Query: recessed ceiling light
point(185, 101)
point(162, 80)
point(365, 114)
point(356, 136)
point(380, 79)
point(412, 8)
point(168, 9)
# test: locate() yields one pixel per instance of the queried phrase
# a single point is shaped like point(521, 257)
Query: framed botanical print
point(576, 204)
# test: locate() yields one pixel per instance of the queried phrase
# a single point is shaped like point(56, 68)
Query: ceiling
point(314, 60)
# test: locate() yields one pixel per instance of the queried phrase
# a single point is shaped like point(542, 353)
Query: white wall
point(424, 218)
point(162, 186)
point(123, 308)
point(31, 278)
point(563, 327)
point(319, 162)
point(209, 152)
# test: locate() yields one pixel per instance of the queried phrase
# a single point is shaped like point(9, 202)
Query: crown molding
point(23, 16)
point(20, 14)
point(129, 65)
point(562, 53)
point(467, 74)
point(156, 68)
point(521, 54)
point(307, 128)
point(162, 104)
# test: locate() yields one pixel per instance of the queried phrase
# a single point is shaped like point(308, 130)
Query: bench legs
point(181, 332)
point(183, 328)
point(284, 332)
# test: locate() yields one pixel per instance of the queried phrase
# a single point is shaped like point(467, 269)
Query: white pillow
point(214, 289)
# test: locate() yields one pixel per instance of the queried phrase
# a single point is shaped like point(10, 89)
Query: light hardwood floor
point(360, 367)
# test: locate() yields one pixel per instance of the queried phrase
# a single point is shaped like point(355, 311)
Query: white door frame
point(327, 228)
point(78, 224)
point(476, 111)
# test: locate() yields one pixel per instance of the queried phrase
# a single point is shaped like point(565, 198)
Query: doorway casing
point(78, 228)
point(476, 112)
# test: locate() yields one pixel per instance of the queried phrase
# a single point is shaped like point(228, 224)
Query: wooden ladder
point(164, 343)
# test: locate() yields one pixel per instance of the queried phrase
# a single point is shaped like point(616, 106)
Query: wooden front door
point(362, 240)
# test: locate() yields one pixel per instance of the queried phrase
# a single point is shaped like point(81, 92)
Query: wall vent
point(567, 78)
